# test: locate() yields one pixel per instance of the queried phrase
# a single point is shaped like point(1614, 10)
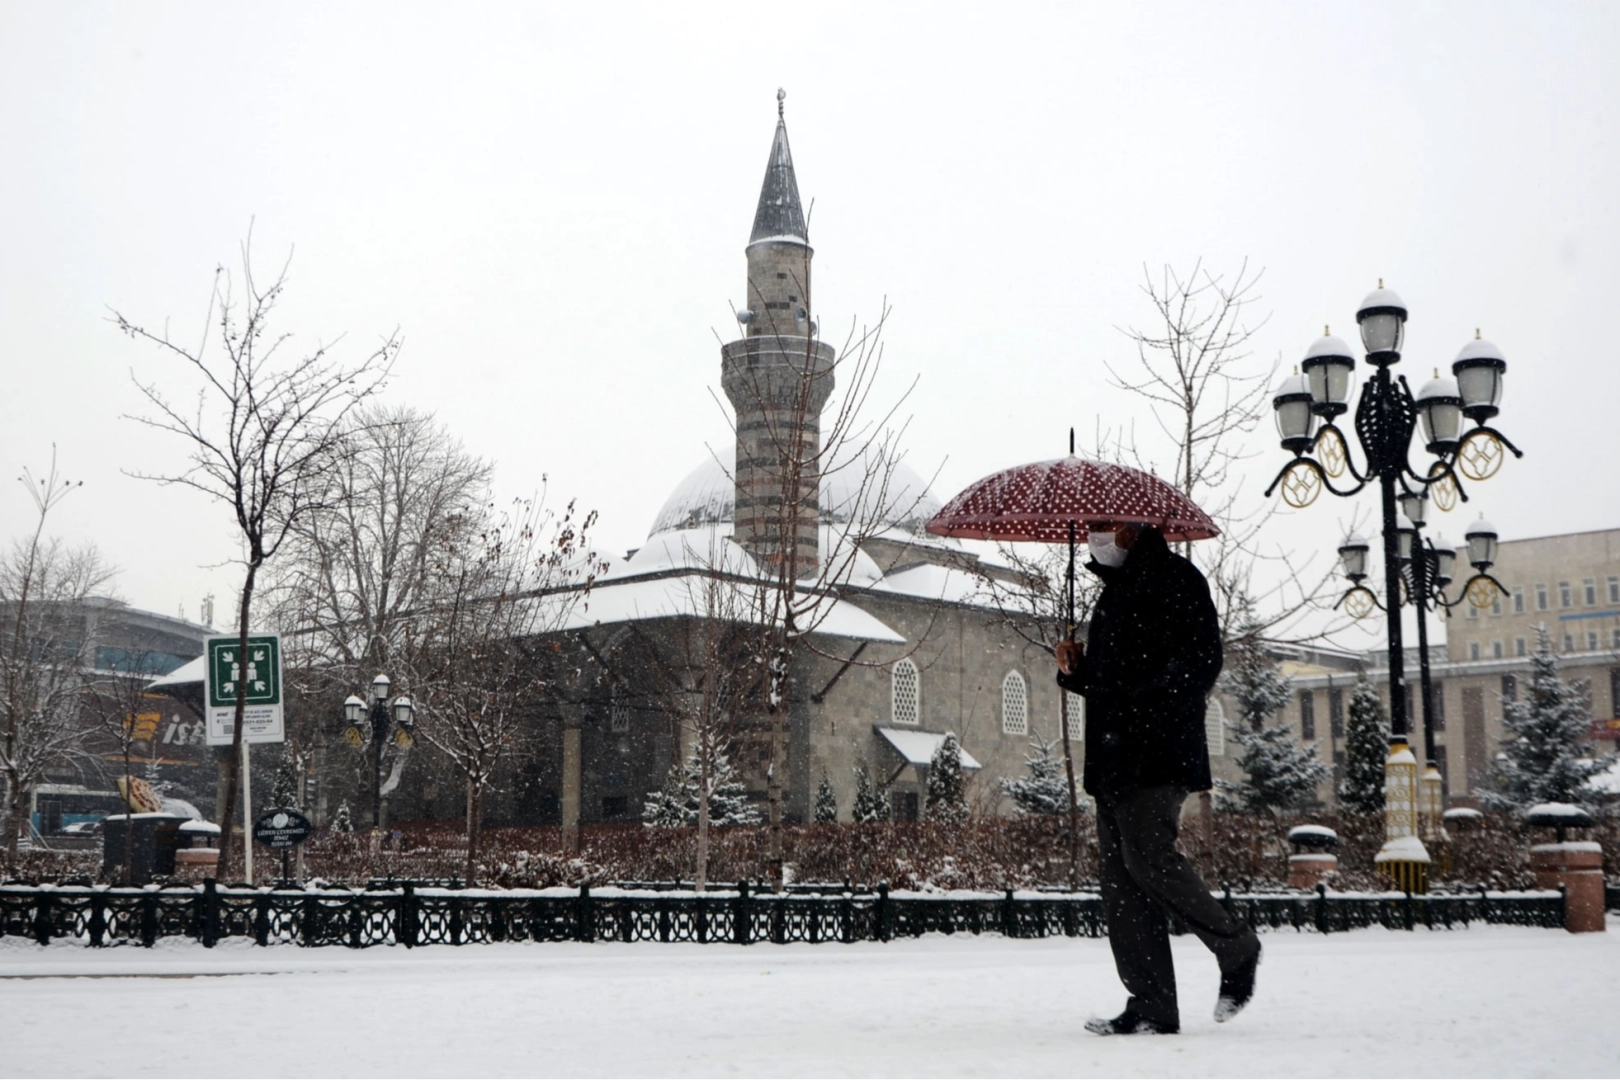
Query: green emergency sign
point(259, 673)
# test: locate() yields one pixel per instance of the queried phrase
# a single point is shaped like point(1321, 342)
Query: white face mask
point(1104, 550)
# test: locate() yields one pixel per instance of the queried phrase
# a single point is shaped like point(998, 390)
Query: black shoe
point(1129, 1023)
point(1237, 987)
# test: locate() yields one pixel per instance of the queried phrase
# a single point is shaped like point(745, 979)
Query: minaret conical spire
point(780, 215)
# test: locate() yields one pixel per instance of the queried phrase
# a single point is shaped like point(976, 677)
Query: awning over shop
point(918, 747)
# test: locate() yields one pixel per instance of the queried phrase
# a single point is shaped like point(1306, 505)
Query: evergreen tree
point(342, 821)
point(1366, 746)
point(676, 803)
point(666, 807)
point(284, 792)
point(1542, 758)
point(947, 798)
point(871, 802)
point(826, 809)
point(1253, 678)
point(1278, 772)
point(1046, 789)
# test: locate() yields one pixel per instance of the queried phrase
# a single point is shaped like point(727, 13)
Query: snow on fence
point(405, 914)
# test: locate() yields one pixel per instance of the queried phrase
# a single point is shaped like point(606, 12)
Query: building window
point(1591, 641)
point(1569, 643)
point(1215, 728)
point(1307, 715)
point(1437, 702)
point(1589, 587)
point(1518, 599)
point(903, 804)
point(1541, 598)
point(1614, 693)
point(1518, 647)
point(1014, 705)
point(1615, 644)
point(1445, 772)
point(1336, 712)
point(1510, 688)
point(1077, 717)
point(615, 806)
point(1496, 650)
point(907, 693)
point(1338, 762)
point(1473, 612)
point(619, 712)
point(1614, 589)
point(1566, 597)
point(1496, 605)
point(1473, 649)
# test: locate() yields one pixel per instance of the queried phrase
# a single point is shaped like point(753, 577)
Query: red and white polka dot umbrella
point(1041, 500)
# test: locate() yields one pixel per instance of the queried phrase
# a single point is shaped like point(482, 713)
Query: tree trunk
point(129, 824)
point(1074, 795)
point(475, 801)
point(775, 704)
point(227, 813)
point(15, 814)
point(701, 874)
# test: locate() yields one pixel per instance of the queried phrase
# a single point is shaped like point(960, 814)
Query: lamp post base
point(1404, 873)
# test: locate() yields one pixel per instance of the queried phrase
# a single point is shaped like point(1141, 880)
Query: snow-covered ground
point(1488, 1001)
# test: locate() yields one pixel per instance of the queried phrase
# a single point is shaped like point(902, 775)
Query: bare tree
point(701, 675)
point(45, 650)
point(1033, 600)
point(263, 438)
point(1196, 369)
point(793, 432)
point(359, 573)
point(124, 717)
point(507, 578)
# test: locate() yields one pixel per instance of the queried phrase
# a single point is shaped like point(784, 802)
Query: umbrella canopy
point(1039, 502)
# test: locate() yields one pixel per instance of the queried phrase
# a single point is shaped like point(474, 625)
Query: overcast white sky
point(551, 202)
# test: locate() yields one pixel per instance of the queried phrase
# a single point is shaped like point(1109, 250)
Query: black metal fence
point(410, 915)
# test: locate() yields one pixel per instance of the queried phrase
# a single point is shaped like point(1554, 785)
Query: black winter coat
point(1153, 653)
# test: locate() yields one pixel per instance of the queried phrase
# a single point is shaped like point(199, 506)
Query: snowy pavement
point(1487, 1001)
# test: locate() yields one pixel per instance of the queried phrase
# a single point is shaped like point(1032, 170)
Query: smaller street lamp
point(1481, 537)
point(1296, 420)
point(1479, 368)
point(403, 715)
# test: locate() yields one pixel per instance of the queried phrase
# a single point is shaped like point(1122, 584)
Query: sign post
point(282, 830)
point(255, 680)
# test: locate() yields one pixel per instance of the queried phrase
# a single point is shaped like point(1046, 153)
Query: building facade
point(1568, 583)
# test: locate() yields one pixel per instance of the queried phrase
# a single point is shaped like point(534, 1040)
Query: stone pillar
point(1577, 866)
point(1306, 869)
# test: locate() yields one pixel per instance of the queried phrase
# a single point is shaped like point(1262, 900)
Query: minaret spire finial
point(781, 96)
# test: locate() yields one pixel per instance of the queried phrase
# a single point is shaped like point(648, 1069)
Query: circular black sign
point(277, 829)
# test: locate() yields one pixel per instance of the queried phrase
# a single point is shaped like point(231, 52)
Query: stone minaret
point(778, 376)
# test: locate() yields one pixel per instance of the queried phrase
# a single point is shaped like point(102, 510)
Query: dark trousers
point(1144, 879)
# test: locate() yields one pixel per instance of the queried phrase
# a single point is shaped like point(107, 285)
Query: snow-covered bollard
point(1313, 858)
point(1576, 865)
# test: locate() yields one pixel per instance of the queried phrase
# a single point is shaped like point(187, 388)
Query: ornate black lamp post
point(1387, 415)
point(404, 718)
point(1426, 572)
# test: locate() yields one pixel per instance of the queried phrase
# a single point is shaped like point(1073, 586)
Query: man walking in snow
point(1150, 659)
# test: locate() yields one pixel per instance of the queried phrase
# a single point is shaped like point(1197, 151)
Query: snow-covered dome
point(708, 496)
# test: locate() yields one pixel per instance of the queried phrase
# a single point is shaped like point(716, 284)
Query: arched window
point(1077, 718)
point(907, 693)
point(1014, 705)
point(1215, 728)
point(619, 711)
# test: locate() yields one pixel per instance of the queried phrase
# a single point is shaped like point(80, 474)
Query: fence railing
point(405, 914)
